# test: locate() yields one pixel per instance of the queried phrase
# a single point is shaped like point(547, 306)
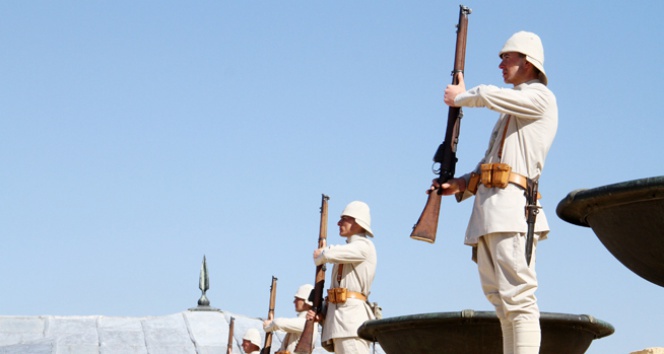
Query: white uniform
point(497, 226)
point(358, 257)
point(532, 124)
point(293, 328)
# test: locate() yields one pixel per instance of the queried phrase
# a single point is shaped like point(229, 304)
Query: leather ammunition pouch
point(340, 295)
point(337, 295)
point(473, 182)
point(495, 175)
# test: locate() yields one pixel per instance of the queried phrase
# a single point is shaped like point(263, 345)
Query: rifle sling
point(350, 294)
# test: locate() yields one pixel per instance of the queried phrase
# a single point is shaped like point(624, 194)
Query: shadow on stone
point(628, 218)
point(471, 332)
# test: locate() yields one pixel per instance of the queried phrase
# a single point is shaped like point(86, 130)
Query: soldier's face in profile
point(246, 346)
point(513, 66)
point(299, 305)
point(348, 226)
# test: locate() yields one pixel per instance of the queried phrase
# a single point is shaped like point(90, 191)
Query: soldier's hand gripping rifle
point(427, 225)
point(267, 346)
point(231, 328)
point(305, 343)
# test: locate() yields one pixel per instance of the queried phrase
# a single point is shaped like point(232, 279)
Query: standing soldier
point(293, 326)
point(498, 227)
point(352, 275)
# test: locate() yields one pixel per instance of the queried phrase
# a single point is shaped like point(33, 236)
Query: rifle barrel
point(427, 224)
point(305, 343)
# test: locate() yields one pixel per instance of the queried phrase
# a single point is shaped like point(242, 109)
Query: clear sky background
point(138, 136)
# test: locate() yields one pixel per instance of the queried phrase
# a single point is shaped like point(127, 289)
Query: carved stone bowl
point(472, 332)
point(628, 218)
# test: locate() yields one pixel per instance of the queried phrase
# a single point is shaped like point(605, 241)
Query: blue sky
point(139, 136)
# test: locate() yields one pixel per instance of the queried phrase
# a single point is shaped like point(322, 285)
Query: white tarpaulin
point(189, 332)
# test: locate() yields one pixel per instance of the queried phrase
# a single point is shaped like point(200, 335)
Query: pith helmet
point(359, 211)
point(303, 293)
point(530, 45)
point(253, 336)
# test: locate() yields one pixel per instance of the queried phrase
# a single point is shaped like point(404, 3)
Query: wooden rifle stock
point(267, 346)
point(305, 343)
point(231, 328)
point(427, 225)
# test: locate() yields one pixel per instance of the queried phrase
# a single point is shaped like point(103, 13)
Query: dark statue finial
point(204, 285)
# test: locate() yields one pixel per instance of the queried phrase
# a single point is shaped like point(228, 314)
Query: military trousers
point(507, 280)
point(351, 345)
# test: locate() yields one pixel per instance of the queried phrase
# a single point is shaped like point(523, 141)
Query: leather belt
point(521, 181)
point(514, 178)
point(356, 295)
point(340, 295)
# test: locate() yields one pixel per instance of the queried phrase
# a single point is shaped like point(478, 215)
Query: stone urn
point(472, 332)
point(628, 218)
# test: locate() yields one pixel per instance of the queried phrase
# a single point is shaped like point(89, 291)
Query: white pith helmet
point(253, 336)
point(530, 45)
point(359, 211)
point(303, 293)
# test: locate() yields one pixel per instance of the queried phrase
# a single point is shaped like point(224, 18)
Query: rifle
point(304, 344)
point(270, 316)
point(427, 225)
point(231, 327)
point(532, 209)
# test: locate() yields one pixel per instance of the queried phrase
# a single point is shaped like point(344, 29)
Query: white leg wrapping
point(527, 337)
point(508, 337)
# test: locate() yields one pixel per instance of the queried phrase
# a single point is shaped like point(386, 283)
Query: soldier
point(251, 342)
point(352, 275)
point(514, 160)
point(293, 326)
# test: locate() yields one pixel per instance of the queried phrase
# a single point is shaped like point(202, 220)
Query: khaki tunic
point(531, 128)
point(293, 328)
point(358, 257)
